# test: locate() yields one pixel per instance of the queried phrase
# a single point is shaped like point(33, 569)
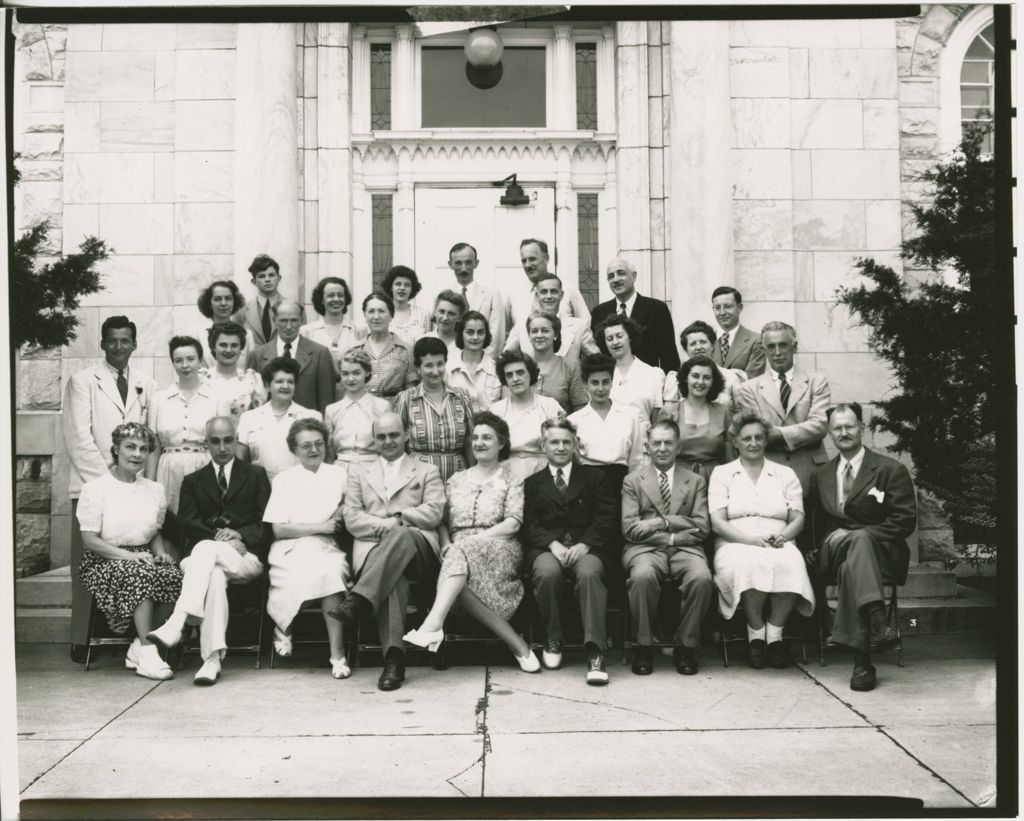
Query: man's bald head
point(621, 275)
point(389, 436)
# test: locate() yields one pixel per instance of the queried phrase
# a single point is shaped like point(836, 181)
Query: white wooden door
point(445, 216)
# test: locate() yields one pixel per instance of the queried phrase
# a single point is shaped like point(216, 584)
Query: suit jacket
point(201, 512)
point(491, 305)
point(658, 344)
point(745, 353)
point(92, 409)
point(641, 499)
point(803, 424)
point(889, 520)
point(586, 513)
point(249, 318)
point(314, 388)
point(420, 499)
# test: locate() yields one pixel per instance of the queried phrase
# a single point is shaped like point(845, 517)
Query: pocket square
point(878, 494)
point(414, 486)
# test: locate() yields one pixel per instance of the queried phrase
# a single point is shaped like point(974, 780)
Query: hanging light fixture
point(483, 47)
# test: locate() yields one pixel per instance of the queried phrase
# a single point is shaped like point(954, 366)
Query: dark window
point(586, 86)
point(383, 237)
point(586, 224)
point(455, 95)
point(380, 87)
point(976, 82)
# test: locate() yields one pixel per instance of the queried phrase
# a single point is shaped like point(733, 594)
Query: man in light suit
point(576, 337)
point(521, 300)
point(314, 389)
point(792, 402)
point(658, 343)
point(393, 507)
point(97, 400)
point(666, 523)
point(865, 508)
point(257, 316)
point(463, 261)
point(736, 347)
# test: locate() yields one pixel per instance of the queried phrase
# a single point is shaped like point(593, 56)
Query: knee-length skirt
point(301, 570)
point(491, 566)
point(740, 567)
point(118, 585)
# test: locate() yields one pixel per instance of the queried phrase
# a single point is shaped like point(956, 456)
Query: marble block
point(853, 73)
point(38, 384)
point(827, 328)
point(803, 276)
point(163, 177)
point(154, 324)
point(42, 146)
point(127, 280)
point(826, 123)
point(180, 282)
point(855, 174)
point(204, 176)
point(760, 122)
point(332, 34)
point(204, 228)
point(108, 178)
point(37, 122)
point(117, 75)
point(138, 36)
point(164, 70)
point(881, 124)
point(204, 74)
point(39, 201)
point(856, 377)
point(137, 127)
point(204, 125)
point(799, 73)
point(762, 225)
point(631, 88)
point(759, 173)
point(85, 37)
point(632, 173)
point(206, 35)
point(631, 33)
point(138, 229)
point(878, 33)
point(915, 122)
point(759, 72)
point(81, 127)
point(86, 342)
point(46, 97)
point(823, 33)
point(918, 92)
point(764, 275)
point(756, 314)
point(801, 163)
point(79, 222)
point(31, 544)
point(828, 224)
point(759, 32)
point(883, 229)
point(835, 269)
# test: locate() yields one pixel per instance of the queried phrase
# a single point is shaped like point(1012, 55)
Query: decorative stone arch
point(969, 26)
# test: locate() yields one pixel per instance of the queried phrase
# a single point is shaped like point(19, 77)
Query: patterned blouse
point(411, 327)
point(392, 367)
point(437, 434)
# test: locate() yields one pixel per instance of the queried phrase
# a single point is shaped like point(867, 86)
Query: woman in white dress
point(523, 411)
point(236, 388)
point(756, 509)
point(219, 302)
point(350, 420)
point(471, 367)
point(636, 383)
point(178, 415)
point(410, 321)
point(336, 329)
point(305, 561)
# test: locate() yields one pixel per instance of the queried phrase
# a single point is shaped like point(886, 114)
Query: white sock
point(755, 633)
point(774, 633)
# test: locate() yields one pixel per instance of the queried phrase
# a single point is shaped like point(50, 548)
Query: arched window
point(976, 83)
point(965, 76)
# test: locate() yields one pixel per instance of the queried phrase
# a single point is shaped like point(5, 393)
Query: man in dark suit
point(314, 389)
point(569, 530)
point(736, 347)
point(257, 316)
point(658, 343)
point(865, 508)
point(220, 513)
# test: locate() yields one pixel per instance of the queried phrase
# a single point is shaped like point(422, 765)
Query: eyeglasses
point(310, 447)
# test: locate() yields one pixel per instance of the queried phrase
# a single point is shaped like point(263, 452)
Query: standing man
point(97, 400)
point(737, 347)
point(393, 507)
point(666, 524)
point(314, 387)
point(258, 316)
point(576, 337)
point(867, 508)
point(533, 255)
point(792, 402)
point(658, 343)
point(463, 261)
point(221, 516)
point(569, 530)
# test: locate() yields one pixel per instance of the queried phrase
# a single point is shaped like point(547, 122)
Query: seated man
point(865, 508)
point(569, 530)
point(666, 524)
point(220, 513)
point(392, 507)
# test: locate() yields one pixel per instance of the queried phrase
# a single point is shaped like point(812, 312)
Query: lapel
point(653, 489)
point(107, 385)
point(374, 477)
point(546, 485)
point(770, 393)
point(680, 488)
point(738, 349)
point(208, 483)
point(303, 353)
point(797, 388)
point(640, 309)
point(407, 475)
point(239, 475)
point(575, 482)
point(865, 476)
point(827, 494)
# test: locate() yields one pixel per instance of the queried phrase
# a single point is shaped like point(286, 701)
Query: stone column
point(700, 189)
point(334, 152)
point(562, 114)
point(266, 151)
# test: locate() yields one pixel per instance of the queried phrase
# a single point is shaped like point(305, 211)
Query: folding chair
point(247, 600)
point(100, 635)
point(892, 615)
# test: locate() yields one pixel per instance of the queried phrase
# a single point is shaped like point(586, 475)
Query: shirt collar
point(391, 467)
point(280, 345)
point(566, 471)
point(227, 469)
point(789, 373)
point(855, 462)
point(629, 304)
point(113, 370)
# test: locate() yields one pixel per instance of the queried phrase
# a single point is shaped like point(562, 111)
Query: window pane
point(586, 226)
point(974, 96)
point(380, 87)
point(586, 86)
point(982, 45)
point(976, 71)
point(515, 95)
point(382, 236)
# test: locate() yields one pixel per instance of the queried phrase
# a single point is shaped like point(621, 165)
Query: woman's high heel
point(430, 639)
point(530, 663)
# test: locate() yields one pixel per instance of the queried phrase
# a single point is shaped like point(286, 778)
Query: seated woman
point(410, 321)
point(698, 339)
point(471, 368)
point(178, 415)
point(391, 358)
point(756, 509)
point(219, 302)
point(262, 437)
point(703, 442)
point(480, 554)
point(336, 329)
point(636, 383)
point(436, 416)
point(449, 308)
point(305, 561)
point(126, 567)
point(236, 387)
point(350, 420)
point(523, 411)
point(557, 378)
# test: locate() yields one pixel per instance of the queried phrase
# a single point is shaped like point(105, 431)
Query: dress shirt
point(227, 470)
point(854, 464)
point(291, 351)
point(350, 423)
point(668, 474)
point(789, 380)
point(127, 377)
point(392, 470)
point(482, 384)
point(566, 472)
point(618, 439)
point(629, 304)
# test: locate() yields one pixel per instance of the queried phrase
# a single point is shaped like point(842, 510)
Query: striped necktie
point(847, 486)
point(666, 491)
point(222, 480)
point(724, 344)
point(784, 391)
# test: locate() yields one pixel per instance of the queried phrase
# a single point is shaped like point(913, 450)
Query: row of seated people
point(473, 531)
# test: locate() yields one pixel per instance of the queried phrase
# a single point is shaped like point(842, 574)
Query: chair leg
point(895, 615)
point(89, 629)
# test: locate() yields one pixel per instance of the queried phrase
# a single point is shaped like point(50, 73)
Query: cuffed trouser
point(404, 553)
point(204, 589)
point(587, 576)
point(645, 573)
point(857, 563)
point(80, 597)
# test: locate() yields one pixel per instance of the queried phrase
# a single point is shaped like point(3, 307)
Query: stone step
point(50, 589)
point(42, 625)
point(928, 583)
point(970, 610)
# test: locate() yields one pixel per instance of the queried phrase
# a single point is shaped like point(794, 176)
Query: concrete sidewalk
point(927, 731)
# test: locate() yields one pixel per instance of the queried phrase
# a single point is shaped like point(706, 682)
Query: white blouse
point(301, 496)
point(179, 421)
point(266, 436)
point(640, 385)
point(350, 424)
point(482, 384)
point(122, 513)
point(618, 439)
point(524, 424)
point(349, 334)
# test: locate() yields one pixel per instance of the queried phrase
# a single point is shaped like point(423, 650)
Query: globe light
point(483, 48)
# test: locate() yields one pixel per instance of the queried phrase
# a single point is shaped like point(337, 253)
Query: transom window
point(976, 82)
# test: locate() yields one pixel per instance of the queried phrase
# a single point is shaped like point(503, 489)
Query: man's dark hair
point(114, 322)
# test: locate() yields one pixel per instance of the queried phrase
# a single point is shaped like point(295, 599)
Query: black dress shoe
point(778, 655)
point(348, 611)
point(756, 653)
point(685, 660)
point(393, 674)
point(78, 652)
point(643, 661)
point(863, 678)
point(884, 639)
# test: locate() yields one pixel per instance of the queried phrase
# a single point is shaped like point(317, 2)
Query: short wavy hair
point(666, 424)
point(560, 421)
point(593, 363)
point(455, 298)
point(317, 297)
point(184, 342)
point(359, 357)
point(556, 325)
point(131, 430)
point(634, 330)
point(262, 261)
point(744, 418)
point(303, 425)
point(460, 343)
point(204, 302)
point(396, 271)
point(382, 297)
point(698, 327)
point(515, 355)
point(428, 346)
point(278, 364)
point(717, 380)
point(229, 328)
point(116, 322)
point(500, 427)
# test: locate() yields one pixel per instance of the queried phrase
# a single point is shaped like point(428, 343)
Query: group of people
point(493, 442)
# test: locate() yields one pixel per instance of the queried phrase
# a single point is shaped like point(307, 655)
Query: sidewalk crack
point(590, 703)
point(481, 729)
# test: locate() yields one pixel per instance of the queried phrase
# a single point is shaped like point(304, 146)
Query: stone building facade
point(767, 154)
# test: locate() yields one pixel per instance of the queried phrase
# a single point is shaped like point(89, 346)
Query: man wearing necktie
point(793, 403)
point(737, 347)
point(666, 524)
point(257, 316)
point(865, 508)
point(463, 261)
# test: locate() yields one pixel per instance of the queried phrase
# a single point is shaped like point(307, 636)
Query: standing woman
point(178, 415)
point(335, 329)
point(218, 302)
point(236, 388)
point(698, 338)
point(449, 309)
point(437, 417)
point(390, 357)
point(703, 423)
point(636, 383)
point(350, 420)
point(410, 321)
point(558, 378)
point(471, 368)
point(523, 411)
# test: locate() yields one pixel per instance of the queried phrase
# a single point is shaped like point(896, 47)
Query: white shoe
point(208, 673)
point(282, 643)
point(340, 668)
point(551, 655)
point(169, 634)
point(131, 658)
point(530, 663)
point(150, 665)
